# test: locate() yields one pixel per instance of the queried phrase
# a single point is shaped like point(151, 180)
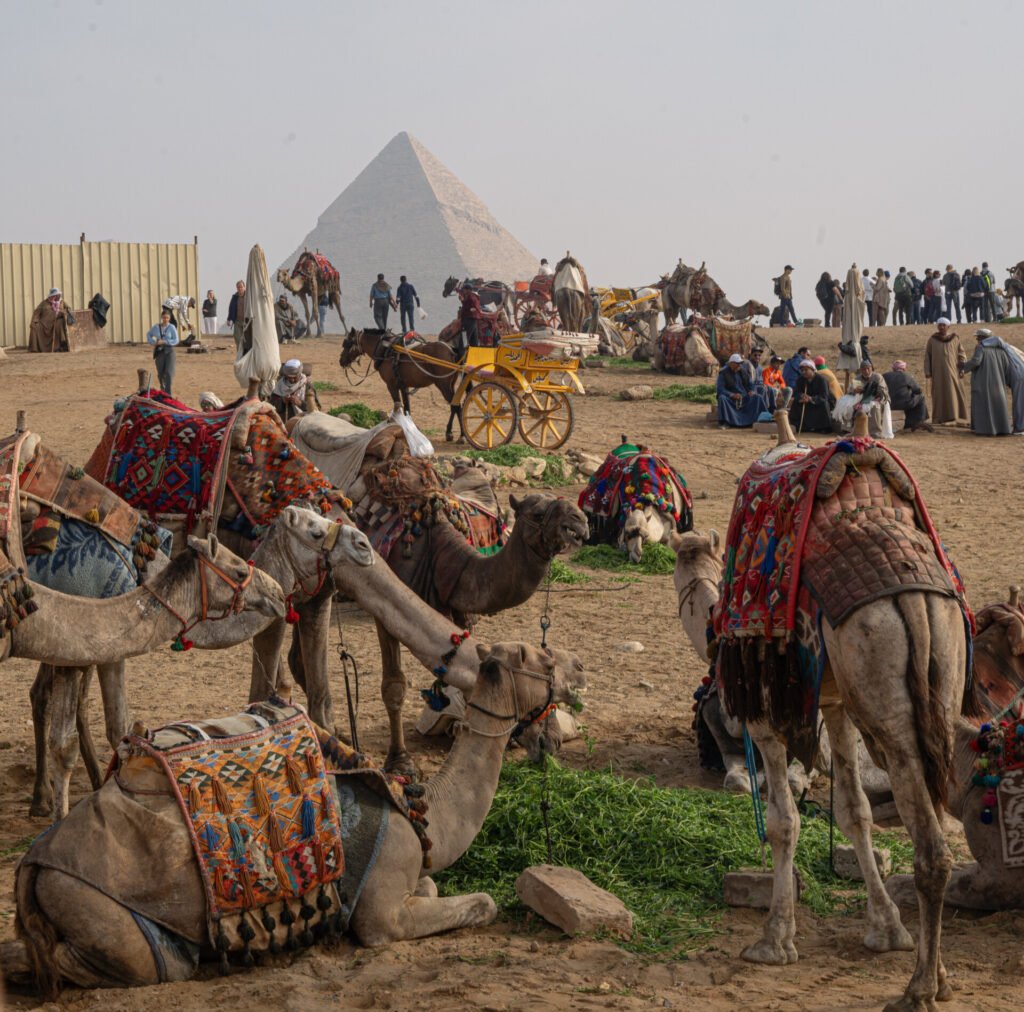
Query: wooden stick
point(1014, 595)
point(785, 431)
point(143, 379)
point(20, 424)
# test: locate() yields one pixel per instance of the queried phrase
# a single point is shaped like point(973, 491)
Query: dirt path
point(972, 488)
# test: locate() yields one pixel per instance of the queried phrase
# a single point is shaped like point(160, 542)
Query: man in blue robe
point(740, 401)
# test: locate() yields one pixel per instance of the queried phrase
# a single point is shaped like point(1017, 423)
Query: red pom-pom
point(706, 680)
point(186, 644)
point(465, 635)
point(456, 639)
point(291, 616)
point(975, 746)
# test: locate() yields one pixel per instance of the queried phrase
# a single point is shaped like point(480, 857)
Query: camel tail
point(924, 682)
point(37, 933)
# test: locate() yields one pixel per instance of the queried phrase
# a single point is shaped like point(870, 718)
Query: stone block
point(534, 466)
point(568, 899)
point(639, 392)
point(845, 864)
point(752, 887)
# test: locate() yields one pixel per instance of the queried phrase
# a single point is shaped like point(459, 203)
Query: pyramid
point(405, 213)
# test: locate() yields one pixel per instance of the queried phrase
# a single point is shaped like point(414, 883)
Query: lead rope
point(545, 791)
point(545, 618)
point(353, 708)
point(755, 794)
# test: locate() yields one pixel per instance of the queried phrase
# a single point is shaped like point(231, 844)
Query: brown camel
point(692, 288)
point(402, 373)
point(58, 913)
point(570, 293)
point(306, 280)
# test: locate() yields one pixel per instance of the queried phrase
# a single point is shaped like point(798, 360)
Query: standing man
point(952, 283)
point(917, 298)
point(323, 303)
point(989, 304)
point(48, 329)
point(990, 376)
point(903, 290)
point(869, 295)
point(381, 300)
point(178, 306)
point(236, 317)
point(881, 297)
point(786, 296)
point(943, 357)
point(974, 295)
point(210, 314)
point(407, 301)
point(164, 336)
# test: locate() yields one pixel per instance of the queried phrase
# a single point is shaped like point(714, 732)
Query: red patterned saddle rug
point(315, 263)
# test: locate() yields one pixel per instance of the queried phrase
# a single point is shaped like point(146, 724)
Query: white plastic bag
point(422, 312)
point(419, 445)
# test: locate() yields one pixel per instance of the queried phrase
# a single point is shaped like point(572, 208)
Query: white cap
point(53, 292)
point(808, 364)
point(983, 332)
point(292, 365)
point(735, 357)
point(943, 320)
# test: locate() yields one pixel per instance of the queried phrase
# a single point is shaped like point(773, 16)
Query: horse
point(1014, 288)
point(402, 373)
point(490, 293)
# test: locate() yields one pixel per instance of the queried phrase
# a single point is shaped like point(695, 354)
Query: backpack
point(929, 289)
point(778, 289)
point(901, 285)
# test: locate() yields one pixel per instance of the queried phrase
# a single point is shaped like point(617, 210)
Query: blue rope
point(755, 793)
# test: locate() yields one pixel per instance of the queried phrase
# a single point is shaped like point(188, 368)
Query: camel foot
point(426, 887)
point(889, 938)
point(737, 781)
point(770, 953)
point(400, 763)
point(449, 437)
point(945, 992)
point(909, 1004)
point(14, 961)
point(41, 807)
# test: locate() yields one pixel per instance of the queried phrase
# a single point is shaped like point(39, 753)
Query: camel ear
point(200, 546)
point(515, 502)
point(675, 539)
point(482, 651)
point(715, 540)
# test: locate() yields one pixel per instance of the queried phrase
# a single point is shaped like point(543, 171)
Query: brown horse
point(402, 373)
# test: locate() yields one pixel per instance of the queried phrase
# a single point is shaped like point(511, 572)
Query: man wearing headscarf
point(943, 357)
point(905, 395)
point(48, 330)
point(830, 377)
point(811, 407)
point(740, 401)
point(989, 367)
point(288, 397)
point(853, 326)
point(1015, 360)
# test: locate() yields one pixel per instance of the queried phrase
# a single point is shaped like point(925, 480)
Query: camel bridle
point(323, 564)
point(686, 594)
point(541, 525)
point(520, 721)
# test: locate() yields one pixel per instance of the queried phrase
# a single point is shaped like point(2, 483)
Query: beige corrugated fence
point(133, 277)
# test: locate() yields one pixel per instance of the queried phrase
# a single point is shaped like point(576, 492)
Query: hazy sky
point(746, 134)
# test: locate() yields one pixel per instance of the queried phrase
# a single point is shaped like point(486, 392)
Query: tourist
point(740, 402)
point(48, 328)
point(952, 283)
point(826, 294)
point(989, 367)
point(286, 320)
point(943, 356)
point(974, 295)
point(322, 305)
point(881, 295)
point(917, 298)
point(210, 314)
point(853, 325)
point(830, 377)
point(869, 289)
point(545, 269)
point(868, 395)
point(236, 317)
point(810, 408)
point(408, 300)
point(753, 368)
point(381, 300)
point(771, 376)
point(164, 336)
point(288, 397)
point(837, 303)
point(906, 395)
point(1000, 303)
point(785, 290)
point(903, 293)
point(178, 306)
point(937, 299)
point(989, 301)
point(791, 370)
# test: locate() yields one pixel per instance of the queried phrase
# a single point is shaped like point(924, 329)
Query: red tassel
point(247, 878)
point(291, 615)
point(220, 883)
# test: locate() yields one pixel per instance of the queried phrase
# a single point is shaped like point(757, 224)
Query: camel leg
point(314, 639)
point(336, 300)
point(853, 813)
point(392, 691)
point(90, 758)
point(62, 737)
point(736, 776)
point(39, 695)
point(266, 657)
point(117, 717)
point(783, 824)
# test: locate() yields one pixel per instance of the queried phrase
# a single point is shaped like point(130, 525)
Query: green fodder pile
point(662, 851)
point(359, 414)
point(698, 393)
point(513, 454)
point(559, 572)
point(657, 560)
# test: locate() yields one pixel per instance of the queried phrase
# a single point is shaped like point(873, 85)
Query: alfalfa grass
point(657, 560)
point(662, 851)
point(697, 393)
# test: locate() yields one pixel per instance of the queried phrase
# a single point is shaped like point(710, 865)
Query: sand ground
point(972, 487)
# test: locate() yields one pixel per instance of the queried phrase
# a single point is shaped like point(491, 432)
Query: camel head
point(351, 348)
point(698, 557)
point(311, 540)
point(755, 308)
point(550, 525)
point(635, 533)
point(450, 286)
point(282, 277)
point(526, 680)
point(232, 585)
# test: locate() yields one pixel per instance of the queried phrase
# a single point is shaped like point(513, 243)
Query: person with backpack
point(917, 298)
point(952, 284)
point(974, 294)
point(988, 305)
point(826, 294)
point(903, 291)
point(784, 292)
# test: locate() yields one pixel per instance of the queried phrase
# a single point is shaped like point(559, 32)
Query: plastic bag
point(419, 445)
point(422, 312)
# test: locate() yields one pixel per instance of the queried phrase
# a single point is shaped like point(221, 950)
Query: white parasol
point(263, 360)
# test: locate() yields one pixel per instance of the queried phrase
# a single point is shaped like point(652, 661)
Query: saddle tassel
point(259, 788)
point(220, 794)
point(294, 773)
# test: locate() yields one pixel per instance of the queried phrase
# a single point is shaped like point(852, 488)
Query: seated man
point(288, 398)
point(811, 407)
point(740, 402)
point(771, 376)
point(289, 326)
point(752, 366)
point(868, 395)
point(905, 395)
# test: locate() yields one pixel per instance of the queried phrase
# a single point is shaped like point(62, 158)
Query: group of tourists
point(909, 299)
point(405, 299)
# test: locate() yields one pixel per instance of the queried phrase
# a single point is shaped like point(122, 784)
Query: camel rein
point(686, 594)
point(519, 723)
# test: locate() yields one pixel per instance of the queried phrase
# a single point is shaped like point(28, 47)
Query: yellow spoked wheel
point(545, 419)
point(489, 416)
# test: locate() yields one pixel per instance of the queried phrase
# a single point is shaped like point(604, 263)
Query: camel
point(58, 913)
point(570, 293)
point(402, 373)
point(693, 289)
point(895, 669)
point(1014, 289)
point(306, 280)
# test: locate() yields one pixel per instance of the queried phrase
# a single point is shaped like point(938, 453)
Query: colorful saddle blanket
point(632, 477)
point(310, 263)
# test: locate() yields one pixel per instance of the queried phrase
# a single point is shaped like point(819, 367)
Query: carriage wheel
point(489, 416)
point(545, 419)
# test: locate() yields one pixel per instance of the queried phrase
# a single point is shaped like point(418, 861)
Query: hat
point(789, 267)
point(942, 321)
point(735, 357)
point(983, 332)
point(209, 401)
point(899, 366)
point(292, 367)
point(806, 364)
point(777, 358)
point(53, 292)
point(819, 360)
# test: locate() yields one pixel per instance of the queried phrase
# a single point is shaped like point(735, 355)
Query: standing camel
point(894, 668)
point(313, 275)
point(570, 293)
point(693, 289)
point(58, 912)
